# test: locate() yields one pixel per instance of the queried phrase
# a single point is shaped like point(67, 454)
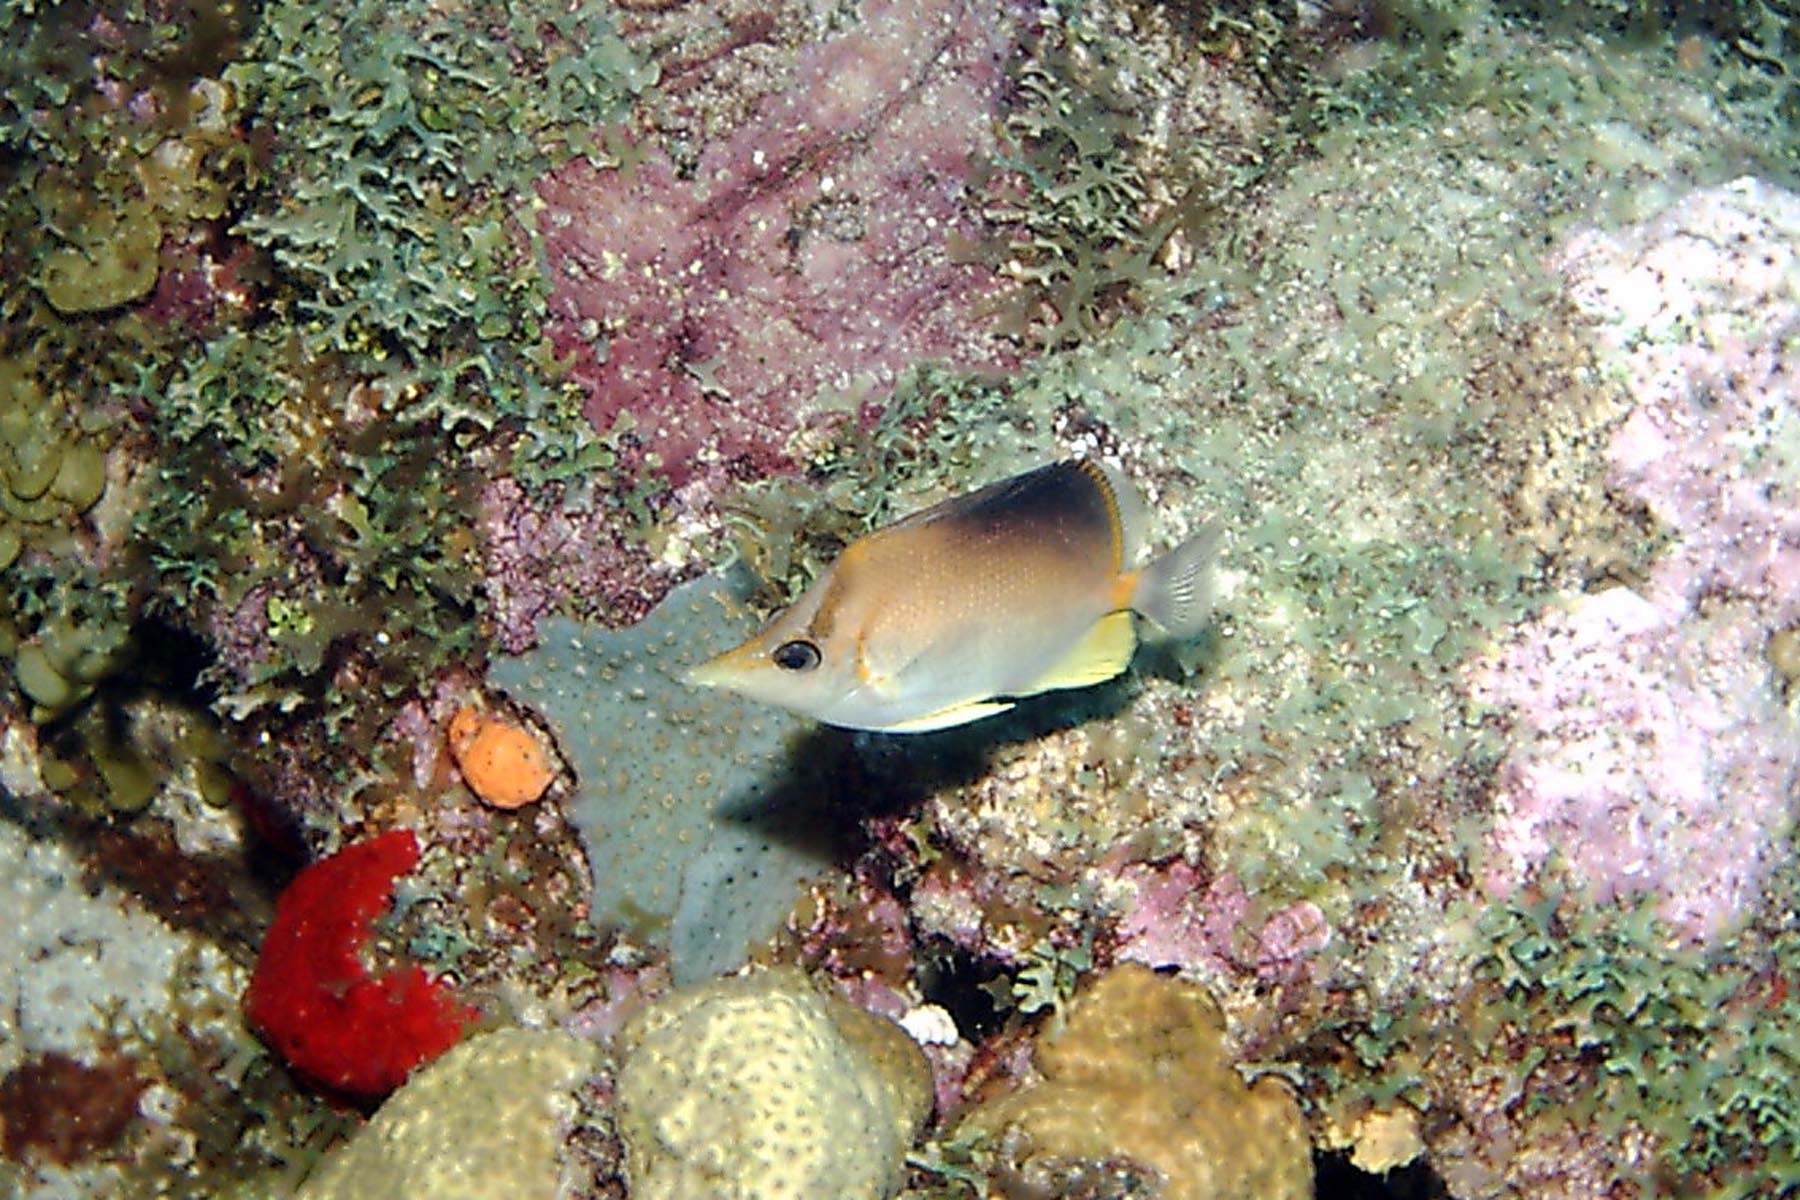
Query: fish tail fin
point(1176, 591)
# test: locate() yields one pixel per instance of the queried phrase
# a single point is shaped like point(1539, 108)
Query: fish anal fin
point(946, 718)
point(1103, 651)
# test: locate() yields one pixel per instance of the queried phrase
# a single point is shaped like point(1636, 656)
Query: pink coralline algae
point(205, 279)
point(1180, 919)
point(800, 265)
point(1656, 755)
point(537, 557)
point(864, 945)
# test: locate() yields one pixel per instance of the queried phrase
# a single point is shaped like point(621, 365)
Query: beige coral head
point(764, 1086)
point(1140, 1072)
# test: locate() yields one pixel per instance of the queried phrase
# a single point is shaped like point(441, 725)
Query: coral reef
point(312, 514)
point(88, 952)
point(1661, 759)
point(1095, 209)
point(763, 1087)
point(114, 262)
point(1646, 801)
point(64, 624)
point(457, 111)
point(484, 1120)
point(126, 150)
point(344, 523)
point(131, 1072)
point(1178, 918)
point(334, 1022)
point(1647, 1056)
point(1326, 773)
point(349, 350)
point(1139, 1072)
point(53, 470)
point(1384, 1139)
point(590, 560)
point(121, 143)
point(700, 813)
point(66, 633)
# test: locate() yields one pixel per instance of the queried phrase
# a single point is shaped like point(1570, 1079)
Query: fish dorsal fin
point(1123, 510)
point(1079, 498)
point(956, 714)
point(1129, 517)
point(1103, 651)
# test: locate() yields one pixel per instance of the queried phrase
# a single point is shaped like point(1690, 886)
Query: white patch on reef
point(70, 956)
point(930, 1025)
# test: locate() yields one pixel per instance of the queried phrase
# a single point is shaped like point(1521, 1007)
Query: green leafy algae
point(1699, 1048)
point(409, 143)
point(323, 516)
point(316, 485)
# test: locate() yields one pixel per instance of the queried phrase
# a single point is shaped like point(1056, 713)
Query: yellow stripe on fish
point(959, 611)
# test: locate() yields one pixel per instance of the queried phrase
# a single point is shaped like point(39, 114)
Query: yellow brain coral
point(502, 763)
point(764, 1087)
point(486, 1120)
point(1139, 1072)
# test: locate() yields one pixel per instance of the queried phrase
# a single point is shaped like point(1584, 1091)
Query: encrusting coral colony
point(399, 400)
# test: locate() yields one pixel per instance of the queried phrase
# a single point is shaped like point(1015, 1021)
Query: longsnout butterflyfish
point(957, 612)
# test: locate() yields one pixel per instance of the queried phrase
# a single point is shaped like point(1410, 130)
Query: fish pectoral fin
point(1103, 651)
point(945, 718)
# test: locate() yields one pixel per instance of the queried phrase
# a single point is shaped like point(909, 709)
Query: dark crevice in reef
point(172, 661)
point(1334, 1178)
point(961, 983)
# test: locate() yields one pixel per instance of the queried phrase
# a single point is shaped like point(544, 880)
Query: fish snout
point(710, 674)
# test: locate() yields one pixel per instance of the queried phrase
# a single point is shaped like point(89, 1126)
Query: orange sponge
point(502, 762)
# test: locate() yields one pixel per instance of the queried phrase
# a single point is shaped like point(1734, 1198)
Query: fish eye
point(797, 655)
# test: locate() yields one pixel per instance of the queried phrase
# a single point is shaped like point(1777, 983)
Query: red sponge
point(316, 1003)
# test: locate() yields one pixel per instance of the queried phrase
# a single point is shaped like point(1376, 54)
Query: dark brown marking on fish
point(1067, 505)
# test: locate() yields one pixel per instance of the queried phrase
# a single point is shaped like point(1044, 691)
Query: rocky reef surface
point(380, 380)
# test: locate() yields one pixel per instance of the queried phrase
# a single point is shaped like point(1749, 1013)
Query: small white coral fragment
point(1384, 1139)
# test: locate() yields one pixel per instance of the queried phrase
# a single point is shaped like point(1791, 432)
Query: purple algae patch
point(804, 253)
point(1656, 753)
